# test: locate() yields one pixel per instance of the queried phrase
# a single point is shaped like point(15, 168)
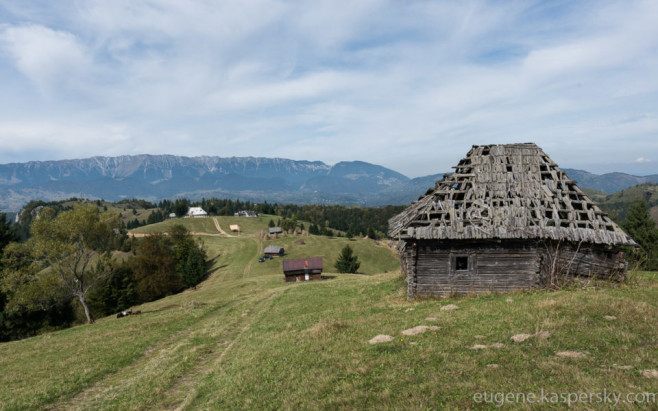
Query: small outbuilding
point(234, 227)
point(274, 251)
point(196, 212)
point(275, 230)
point(246, 213)
point(302, 269)
point(508, 218)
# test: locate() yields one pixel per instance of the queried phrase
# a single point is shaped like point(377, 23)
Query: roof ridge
point(507, 191)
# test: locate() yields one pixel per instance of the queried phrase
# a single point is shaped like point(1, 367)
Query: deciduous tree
point(74, 245)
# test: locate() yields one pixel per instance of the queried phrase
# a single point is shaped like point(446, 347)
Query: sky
point(410, 85)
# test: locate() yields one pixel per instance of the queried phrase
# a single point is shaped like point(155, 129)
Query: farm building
point(508, 218)
point(302, 269)
point(196, 212)
point(275, 230)
point(274, 251)
point(234, 227)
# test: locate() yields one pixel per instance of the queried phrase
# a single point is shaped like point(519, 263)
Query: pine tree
point(7, 233)
point(347, 262)
point(642, 229)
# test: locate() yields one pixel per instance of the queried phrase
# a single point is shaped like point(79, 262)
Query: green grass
point(248, 226)
point(245, 339)
point(197, 225)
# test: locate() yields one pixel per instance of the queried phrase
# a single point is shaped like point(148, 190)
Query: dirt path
point(190, 383)
point(141, 235)
point(259, 251)
point(219, 228)
point(166, 363)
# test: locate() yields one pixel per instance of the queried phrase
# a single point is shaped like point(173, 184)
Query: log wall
point(433, 267)
point(585, 261)
point(491, 267)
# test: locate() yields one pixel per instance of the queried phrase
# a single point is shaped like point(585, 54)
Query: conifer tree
point(642, 229)
point(347, 262)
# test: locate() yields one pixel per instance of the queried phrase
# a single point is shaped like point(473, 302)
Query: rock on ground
point(482, 347)
point(381, 338)
point(543, 335)
point(420, 329)
point(649, 373)
point(521, 337)
point(449, 307)
point(571, 354)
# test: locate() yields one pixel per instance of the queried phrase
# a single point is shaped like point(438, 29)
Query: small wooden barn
point(274, 230)
point(508, 218)
point(234, 228)
point(302, 269)
point(274, 251)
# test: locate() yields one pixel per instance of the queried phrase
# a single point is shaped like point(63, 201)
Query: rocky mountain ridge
point(155, 177)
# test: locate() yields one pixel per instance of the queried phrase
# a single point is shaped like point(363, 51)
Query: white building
point(196, 212)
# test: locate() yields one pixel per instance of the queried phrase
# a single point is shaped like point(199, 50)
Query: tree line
point(80, 263)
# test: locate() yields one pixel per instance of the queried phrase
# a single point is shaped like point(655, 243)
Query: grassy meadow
point(245, 339)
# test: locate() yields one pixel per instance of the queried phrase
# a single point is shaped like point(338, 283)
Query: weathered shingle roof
point(273, 249)
point(512, 191)
point(313, 263)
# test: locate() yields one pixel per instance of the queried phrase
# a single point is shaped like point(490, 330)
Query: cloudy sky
point(410, 85)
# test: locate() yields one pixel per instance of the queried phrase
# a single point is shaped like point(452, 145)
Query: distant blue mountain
point(610, 182)
point(156, 177)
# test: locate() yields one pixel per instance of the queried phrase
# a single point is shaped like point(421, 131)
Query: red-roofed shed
point(302, 269)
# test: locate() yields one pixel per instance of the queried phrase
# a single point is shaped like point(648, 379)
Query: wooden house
point(274, 251)
point(508, 218)
point(274, 230)
point(302, 269)
point(196, 212)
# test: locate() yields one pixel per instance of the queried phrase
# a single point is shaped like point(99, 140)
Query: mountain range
point(155, 177)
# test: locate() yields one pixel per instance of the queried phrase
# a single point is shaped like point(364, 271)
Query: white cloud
point(45, 56)
point(642, 160)
point(407, 84)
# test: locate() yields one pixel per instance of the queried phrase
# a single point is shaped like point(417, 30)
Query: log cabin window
point(461, 263)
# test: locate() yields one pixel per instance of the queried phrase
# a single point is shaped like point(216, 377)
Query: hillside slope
point(617, 204)
point(245, 339)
